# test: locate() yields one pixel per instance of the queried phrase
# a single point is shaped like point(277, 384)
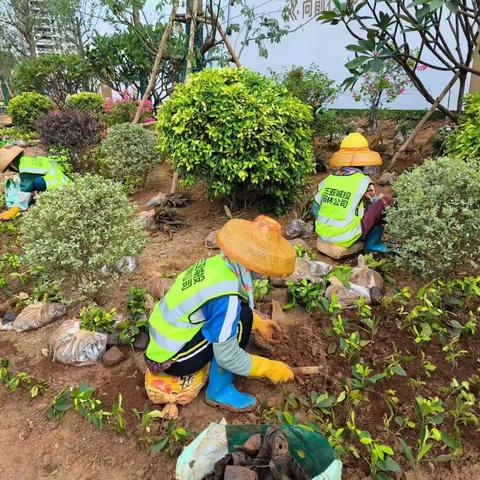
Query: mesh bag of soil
point(262, 452)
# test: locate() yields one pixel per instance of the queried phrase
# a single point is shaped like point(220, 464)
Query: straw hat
point(258, 246)
point(8, 155)
point(354, 152)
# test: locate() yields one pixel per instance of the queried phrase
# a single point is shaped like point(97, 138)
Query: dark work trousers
point(375, 214)
point(198, 351)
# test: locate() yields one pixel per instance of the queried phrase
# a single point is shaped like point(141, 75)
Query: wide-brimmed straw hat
point(258, 246)
point(354, 152)
point(8, 155)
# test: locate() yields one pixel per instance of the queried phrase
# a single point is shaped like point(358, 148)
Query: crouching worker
point(346, 207)
point(203, 324)
point(37, 174)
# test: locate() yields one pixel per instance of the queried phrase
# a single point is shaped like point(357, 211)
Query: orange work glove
point(276, 371)
point(9, 214)
point(266, 328)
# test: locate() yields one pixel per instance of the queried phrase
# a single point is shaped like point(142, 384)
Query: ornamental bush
point(129, 153)
point(25, 109)
point(464, 141)
point(90, 101)
point(242, 134)
point(78, 234)
point(434, 226)
point(75, 130)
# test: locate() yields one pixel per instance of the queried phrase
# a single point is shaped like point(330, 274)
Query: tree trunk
point(461, 91)
point(136, 17)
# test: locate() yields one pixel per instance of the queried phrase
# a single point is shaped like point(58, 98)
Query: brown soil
point(33, 447)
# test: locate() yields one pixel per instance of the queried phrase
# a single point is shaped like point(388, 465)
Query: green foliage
point(342, 273)
point(261, 287)
point(95, 319)
point(129, 151)
point(13, 133)
point(384, 266)
point(79, 233)
point(121, 111)
point(463, 142)
point(35, 386)
point(54, 75)
point(90, 101)
point(240, 133)
point(137, 321)
point(313, 87)
point(434, 226)
point(306, 294)
point(26, 109)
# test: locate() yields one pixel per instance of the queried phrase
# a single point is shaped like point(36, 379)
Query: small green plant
point(452, 353)
point(261, 287)
point(351, 346)
point(172, 440)
point(129, 152)
point(306, 294)
point(4, 369)
point(90, 101)
point(137, 321)
point(436, 201)
point(366, 317)
point(95, 319)
point(363, 377)
point(79, 233)
point(26, 109)
point(342, 273)
point(384, 266)
point(302, 251)
point(60, 405)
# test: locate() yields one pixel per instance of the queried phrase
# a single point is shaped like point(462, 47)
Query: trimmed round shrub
point(129, 153)
point(78, 234)
point(26, 109)
point(89, 101)
point(434, 226)
point(464, 141)
point(75, 130)
point(242, 134)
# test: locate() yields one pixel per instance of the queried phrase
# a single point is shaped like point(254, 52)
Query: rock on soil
point(127, 265)
point(278, 294)
point(158, 200)
point(147, 220)
point(298, 241)
point(298, 229)
point(346, 297)
point(387, 178)
point(113, 357)
point(312, 270)
point(141, 341)
point(211, 241)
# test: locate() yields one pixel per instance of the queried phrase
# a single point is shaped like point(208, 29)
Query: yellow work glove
point(9, 214)
point(266, 328)
point(276, 371)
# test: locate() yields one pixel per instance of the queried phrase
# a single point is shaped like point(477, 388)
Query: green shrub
point(240, 133)
point(95, 319)
point(25, 109)
point(93, 102)
point(434, 227)
point(464, 142)
point(129, 153)
point(79, 233)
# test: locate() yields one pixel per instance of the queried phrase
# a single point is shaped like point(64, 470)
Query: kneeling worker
point(207, 317)
point(345, 207)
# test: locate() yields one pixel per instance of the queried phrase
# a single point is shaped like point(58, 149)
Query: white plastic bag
point(38, 315)
point(198, 459)
point(72, 346)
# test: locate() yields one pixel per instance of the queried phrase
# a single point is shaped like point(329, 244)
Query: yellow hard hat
point(354, 152)
point(258, 246)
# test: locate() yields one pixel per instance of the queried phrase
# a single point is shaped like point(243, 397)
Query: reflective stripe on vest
point(55, 178)
point(341, 208)
point(170, 323)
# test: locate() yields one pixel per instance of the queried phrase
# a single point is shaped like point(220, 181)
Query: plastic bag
point(298, 229)
point(72, 346)
point(127, 265)
point(198, 459)
point(38, 315)
point(13, 194)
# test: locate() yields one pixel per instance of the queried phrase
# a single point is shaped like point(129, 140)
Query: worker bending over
point(346, 207)
point(207, 316)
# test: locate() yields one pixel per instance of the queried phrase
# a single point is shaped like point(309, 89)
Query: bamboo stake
point(191, 44)
point(156, 66)
point(422, 122)
point(225, 39)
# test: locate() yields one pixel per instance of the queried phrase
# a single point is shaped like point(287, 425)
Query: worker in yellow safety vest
point(37, 174)
point(345, 206)
point(202, 325)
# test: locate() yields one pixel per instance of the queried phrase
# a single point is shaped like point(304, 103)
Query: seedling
point(60, 405)
point(451, 352)
point(172, 440)
point(261, 287)
point(4, 369)
point(365, 316)
point(302, 251)
point(351, 346)
point(363, 377)
point(343, 273)
point(382, 266)
point(306, 294)
point(136, 306)
point(95, 319)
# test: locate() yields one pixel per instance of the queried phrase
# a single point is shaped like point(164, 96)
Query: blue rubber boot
point(373, 241)
point(222, 393)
